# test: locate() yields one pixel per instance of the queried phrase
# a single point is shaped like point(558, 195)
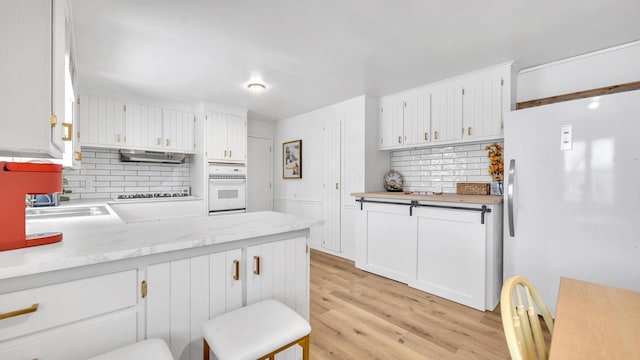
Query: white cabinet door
point(388, 232)
point(216, 136)
point(178, 130)
point(332, 145)
point(397, 121)
point(278, 271)
point(144, 127)
point(185, 293)
point(80, 340)
point(417, 118)
point(451, 255)
point(236, 138)
point(32, 73)
point(226, 137)
point(446, 106)
point(102, 122)
point(483, 105)
point(386, 124)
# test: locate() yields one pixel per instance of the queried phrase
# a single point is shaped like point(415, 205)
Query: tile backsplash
point(103, 176)
point(440, 168)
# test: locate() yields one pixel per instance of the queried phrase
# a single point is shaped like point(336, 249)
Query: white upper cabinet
point(417, 118)
point(115, 124)
point(178, 130)
point(102, 122)
point(446, 120)
point(144, 127)
point(467, 108)
point(226, 137)
point(484, 102)
point(32, 72)
point(405, 120)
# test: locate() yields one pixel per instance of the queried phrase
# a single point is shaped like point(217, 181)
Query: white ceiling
point(313, 53)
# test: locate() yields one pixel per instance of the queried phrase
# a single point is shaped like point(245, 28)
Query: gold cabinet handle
point(225, 153)
point(426, 136)
point(53, 119)
point(435, 134)
point(469, 131)
point(78, 155)
point(230, 153)
point(118, 138)
point(33, 308)
point(337, 186)
point(399, 139)
point(159, 141)
point(236, 271)
point(68, 131)
point(256, 265)
point(168, 142)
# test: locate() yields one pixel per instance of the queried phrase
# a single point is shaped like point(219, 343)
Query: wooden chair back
point(520, 304)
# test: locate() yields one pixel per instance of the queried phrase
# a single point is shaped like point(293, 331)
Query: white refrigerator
point(572, 193)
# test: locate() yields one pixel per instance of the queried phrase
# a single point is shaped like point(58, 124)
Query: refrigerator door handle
point(512, 175)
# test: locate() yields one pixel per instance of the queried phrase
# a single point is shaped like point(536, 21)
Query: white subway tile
point(401, 153)
point(95, 172)
point(159, 188)
point(109, 189)
point(136, 189)
point(454, 178)
point(95, 161)
point(420, 151)
point(124, 183)
point(431, 178)
point(481, 178)
point(479, 166)
point(431, 156)
point(467, 160)
point(431, 167)
point(442, 173)
point(138, 167)
point(108, 167)
point(110, 178)
point(478, 153)
point(474, 147)
point(442, 162)
point(136, 178)
point(106, 155)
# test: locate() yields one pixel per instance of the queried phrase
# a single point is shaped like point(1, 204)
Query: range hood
point(151, 156)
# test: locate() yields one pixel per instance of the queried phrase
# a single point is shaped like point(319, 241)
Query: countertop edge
point(445, 197)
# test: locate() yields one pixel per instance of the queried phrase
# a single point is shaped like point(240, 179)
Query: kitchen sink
point(63, 212)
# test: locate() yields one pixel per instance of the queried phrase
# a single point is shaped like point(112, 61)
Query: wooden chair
point(256, 331)
point(518, 303)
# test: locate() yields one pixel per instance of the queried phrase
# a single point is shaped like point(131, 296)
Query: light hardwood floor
point(359, 315)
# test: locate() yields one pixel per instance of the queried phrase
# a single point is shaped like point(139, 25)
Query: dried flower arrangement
point(496, 170)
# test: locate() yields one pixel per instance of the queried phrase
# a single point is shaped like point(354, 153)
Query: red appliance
point(16, 181)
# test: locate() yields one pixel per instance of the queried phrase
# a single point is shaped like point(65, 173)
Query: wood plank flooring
point(359, 315)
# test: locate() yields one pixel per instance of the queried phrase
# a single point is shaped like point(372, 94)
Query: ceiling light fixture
point(257, 88)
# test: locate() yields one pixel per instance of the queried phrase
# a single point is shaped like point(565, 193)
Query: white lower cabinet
point(451, 253)
point(184, 294)
point(388, 232)
point(97, 312)
point(279, 271)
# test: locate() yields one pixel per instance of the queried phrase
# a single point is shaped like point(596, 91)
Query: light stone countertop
point(98, 239)
point(446, 197)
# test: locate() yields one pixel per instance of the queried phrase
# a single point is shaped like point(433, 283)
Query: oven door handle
point(227, 181)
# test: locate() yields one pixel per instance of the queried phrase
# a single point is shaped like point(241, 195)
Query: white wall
point(261, 129)
point(360, 162)
point(613, 66)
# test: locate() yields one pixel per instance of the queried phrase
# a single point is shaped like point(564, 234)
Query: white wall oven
point(227, 188)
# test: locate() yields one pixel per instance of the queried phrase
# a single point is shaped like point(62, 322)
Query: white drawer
point(67, 302)
point(78, 341)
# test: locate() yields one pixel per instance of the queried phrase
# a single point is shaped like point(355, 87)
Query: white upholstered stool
point(257, 331)
point(152, 349)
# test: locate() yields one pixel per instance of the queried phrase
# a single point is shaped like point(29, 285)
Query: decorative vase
point(393, 181)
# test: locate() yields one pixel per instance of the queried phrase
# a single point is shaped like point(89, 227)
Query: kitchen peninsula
point(449, 245)
point(108, 284)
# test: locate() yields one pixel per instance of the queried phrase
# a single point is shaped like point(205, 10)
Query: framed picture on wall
point(292, 160)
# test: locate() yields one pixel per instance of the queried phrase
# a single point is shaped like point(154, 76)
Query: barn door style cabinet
point(465, 109)
point(32, 72)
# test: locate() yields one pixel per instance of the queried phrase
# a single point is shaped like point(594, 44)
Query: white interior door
point(259, 174)
point(332, 186)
